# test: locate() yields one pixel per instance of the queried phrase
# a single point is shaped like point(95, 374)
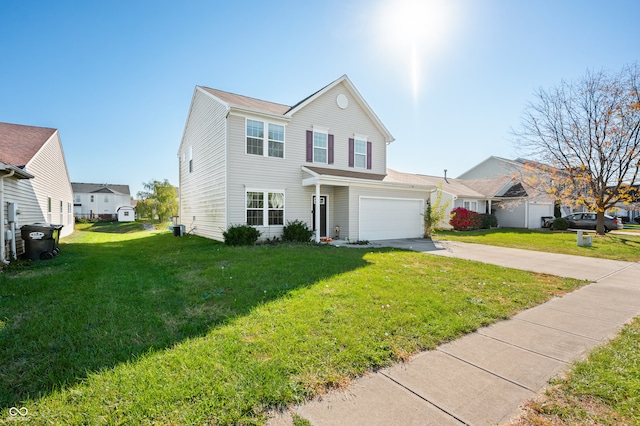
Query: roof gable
point(344, 80)
point(19, 143)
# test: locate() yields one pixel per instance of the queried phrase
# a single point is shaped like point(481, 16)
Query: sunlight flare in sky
point(413, 33)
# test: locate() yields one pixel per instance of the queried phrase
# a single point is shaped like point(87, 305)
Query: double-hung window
point(273, 145)
point(470, 205)
point(255, 137)
point(360, 153)
point(276, 140)
point(320, 147)
point(265, 208)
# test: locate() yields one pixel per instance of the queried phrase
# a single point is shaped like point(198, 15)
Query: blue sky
point(449, 78)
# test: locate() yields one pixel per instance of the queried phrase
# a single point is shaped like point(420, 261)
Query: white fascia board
point(247, 112)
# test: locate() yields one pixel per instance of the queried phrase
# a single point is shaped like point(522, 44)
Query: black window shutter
point(369, 149)
point(309, 146)
point(351, 153)
point(330, 153)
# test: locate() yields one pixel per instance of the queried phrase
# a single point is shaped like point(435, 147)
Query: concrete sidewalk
point(484, 377)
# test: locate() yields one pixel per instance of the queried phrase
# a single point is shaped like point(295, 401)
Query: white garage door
point(389, 218)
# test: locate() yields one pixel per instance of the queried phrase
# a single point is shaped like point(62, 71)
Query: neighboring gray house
point(516, 205)
point(321, 161)
point(98, 200)
point(500, 195)
point(34, 184)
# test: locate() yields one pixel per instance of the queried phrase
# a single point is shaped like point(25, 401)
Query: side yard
point(144, 327)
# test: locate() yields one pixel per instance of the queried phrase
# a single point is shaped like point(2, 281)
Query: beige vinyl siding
point(341, 210)
point(21, 191)
point(203, 191)
point(263, 173)
point(343, 124)
point(51, 180)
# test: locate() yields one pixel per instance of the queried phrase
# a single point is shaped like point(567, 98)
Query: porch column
point(317, 212)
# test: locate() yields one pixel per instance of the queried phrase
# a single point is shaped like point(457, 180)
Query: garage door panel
point(389, 218)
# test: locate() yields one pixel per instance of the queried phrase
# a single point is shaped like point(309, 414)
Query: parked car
point(588, 221)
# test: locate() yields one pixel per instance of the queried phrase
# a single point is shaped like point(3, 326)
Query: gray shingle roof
point(90, 188)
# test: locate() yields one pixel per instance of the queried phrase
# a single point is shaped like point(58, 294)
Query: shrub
point(488, 221)
point(241, 235)
point(297, 231)
point(464, 220)
point(560, 224)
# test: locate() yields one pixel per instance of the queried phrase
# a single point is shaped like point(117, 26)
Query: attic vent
point(342, 101)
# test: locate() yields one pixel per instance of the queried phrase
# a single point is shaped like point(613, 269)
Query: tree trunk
point(600, 223)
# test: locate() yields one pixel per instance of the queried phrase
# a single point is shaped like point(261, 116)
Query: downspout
point(2, 228)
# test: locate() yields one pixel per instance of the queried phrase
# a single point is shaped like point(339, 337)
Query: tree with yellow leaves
point(584, 139)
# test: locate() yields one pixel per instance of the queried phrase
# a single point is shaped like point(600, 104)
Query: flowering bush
point(464, 220)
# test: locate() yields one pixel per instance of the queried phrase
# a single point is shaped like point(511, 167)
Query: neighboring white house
point(34, 184)
point(97, 200)
point(321, 161)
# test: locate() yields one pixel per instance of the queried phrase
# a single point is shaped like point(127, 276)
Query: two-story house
point(321, 161)
point(100, 200)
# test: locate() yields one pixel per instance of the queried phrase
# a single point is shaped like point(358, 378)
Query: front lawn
point(141, 327)
point(611, 246)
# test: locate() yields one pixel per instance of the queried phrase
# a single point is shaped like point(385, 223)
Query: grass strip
point(611, 246)
point(604, 389)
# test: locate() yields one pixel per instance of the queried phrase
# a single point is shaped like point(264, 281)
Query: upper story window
point(77, 198)
point(106, 198)
point(360, 153)
point(273, 145)
point(48, 204)
point(360, 150)
point(92, 198)
point(276, 140)
point(190, 159)
point(320, 147)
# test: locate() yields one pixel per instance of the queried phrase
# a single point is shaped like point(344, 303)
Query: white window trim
point(325, 132)
point(265, 207)
point(470, 202)
point(265, 138)
point(358, 137)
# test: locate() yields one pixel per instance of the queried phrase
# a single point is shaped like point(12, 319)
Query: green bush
point(488, 221)
point(241, 235)
point(297, 231)
point(560, 224)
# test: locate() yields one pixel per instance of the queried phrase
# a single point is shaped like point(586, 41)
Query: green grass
point(612, 246)
point(603, 390)
point(135, 327)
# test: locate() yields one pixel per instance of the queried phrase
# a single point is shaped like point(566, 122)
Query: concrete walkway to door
point(484, 377)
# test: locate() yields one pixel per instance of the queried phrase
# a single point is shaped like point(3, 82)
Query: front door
point(323, 215)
